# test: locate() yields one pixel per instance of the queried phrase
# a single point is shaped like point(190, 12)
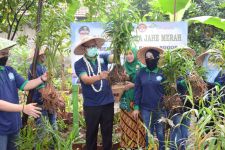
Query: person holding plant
point(133, 132)
point(10, 109)
point(149, 93)
point(208, 60)
point(181, 121)
point(97, 93)
point(36, 95)
point(215, 79)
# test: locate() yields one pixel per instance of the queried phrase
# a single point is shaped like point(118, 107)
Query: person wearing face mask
point(214, 77)
point(180, 131)
point(149, 93)
point(36, 95)
point(214, 74)
point(98, 100)
point(10, 109)
point(133, 132)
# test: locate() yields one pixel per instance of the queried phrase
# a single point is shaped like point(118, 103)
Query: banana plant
point(175, 8)
point(209, 20)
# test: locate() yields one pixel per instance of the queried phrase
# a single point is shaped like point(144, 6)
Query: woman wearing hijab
point(149, 93)
point(133, 132)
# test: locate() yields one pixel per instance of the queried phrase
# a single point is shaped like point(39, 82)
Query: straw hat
point(200, 58)
point(4, 43)
point(41, 52)
point(80, 50)
point(190, 50)
point(142, 51)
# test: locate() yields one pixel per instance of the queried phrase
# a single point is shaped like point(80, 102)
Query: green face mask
point(92, 52)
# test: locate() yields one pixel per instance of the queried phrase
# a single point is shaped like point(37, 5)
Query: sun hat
point(200, 58)
point(41, 52)
point(188, 49)
point(4, 43)
point(80, 49)
point(142, 51)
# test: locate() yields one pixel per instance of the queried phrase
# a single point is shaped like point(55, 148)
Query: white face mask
point(212, 70)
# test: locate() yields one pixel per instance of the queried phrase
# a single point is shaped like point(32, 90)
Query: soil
point(117, 75)
point(199, 87)
point(173, 102)
point(52, 99)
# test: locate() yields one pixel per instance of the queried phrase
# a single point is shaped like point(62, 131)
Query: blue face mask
point(92, 52)
point(212, 71)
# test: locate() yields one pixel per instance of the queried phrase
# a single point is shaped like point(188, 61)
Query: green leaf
point(222, 5)
point(210, 20)
point(73, 6)
point(168, 5)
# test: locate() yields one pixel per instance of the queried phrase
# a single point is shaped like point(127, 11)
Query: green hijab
point(133, 67)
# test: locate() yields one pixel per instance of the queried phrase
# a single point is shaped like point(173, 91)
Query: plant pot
point(118, 90)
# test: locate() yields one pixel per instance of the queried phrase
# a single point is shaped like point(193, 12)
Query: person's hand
point(32, 110)
point(44, 77)
point(104, 75)
point(128, 85)
point(135, 114)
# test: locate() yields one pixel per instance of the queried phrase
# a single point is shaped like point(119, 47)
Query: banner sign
point(167, 35)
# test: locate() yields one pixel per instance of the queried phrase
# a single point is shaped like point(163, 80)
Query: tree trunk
point(36, 53)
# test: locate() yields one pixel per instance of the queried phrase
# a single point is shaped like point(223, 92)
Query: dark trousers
point(95, 115)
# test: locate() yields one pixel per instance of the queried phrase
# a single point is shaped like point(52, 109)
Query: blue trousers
point(7, 142)
point(50, 117)
point(179, 133)
point(150, 119)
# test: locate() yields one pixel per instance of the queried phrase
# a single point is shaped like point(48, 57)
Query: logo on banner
point(142, 27)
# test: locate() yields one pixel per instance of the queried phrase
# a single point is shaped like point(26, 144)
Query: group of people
point(141, 103)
